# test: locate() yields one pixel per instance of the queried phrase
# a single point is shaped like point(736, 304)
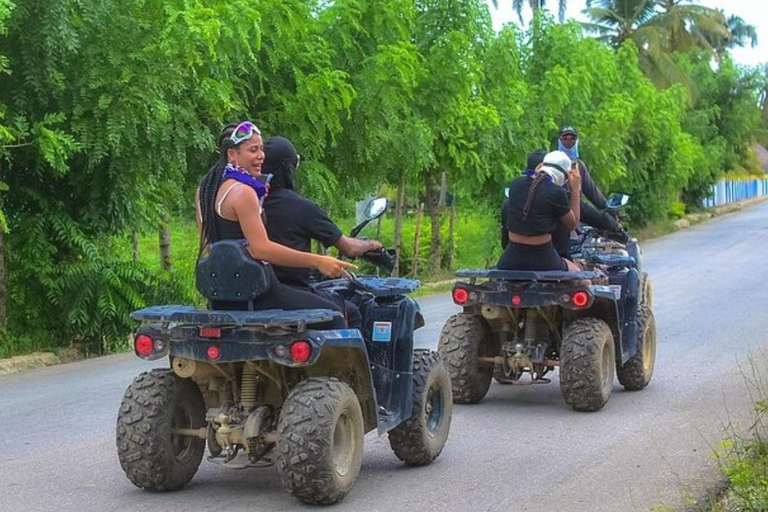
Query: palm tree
point(740, 33)
point(659, 28)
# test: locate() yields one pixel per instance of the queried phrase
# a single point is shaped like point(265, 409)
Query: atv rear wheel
point(320, 441)
point(463, 340)
point(587, 364)
point(420, 439)
point(156, 403)
point(636, 373)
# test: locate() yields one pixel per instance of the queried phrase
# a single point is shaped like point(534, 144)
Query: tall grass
point(744, 456)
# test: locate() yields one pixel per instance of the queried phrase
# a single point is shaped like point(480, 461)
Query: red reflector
point(213, 352)
point(517, 300)
point(580, 299)
point(210, 332)
point(300, 351)
point(144, 345)
point(460, 296)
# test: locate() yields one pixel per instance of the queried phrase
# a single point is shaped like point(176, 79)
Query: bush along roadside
point(744, 456)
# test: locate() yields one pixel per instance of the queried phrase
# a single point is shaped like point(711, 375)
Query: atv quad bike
point(267, 386)
point(591, 324)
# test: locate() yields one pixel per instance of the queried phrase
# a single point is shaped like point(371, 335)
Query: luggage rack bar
point(237, 318)
point(526, 275)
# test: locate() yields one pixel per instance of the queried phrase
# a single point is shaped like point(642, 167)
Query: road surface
point(521, 449)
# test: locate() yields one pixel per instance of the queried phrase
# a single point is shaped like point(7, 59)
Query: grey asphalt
point(521, 449)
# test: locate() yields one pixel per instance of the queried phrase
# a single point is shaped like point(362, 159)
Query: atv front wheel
point(636, 373)
point(154, 405)
point(420, 439)
point(464, 339)
point(587, 364)
point(320, 441)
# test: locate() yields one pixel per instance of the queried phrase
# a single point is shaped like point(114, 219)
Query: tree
point(383, 140)
point(6, 139)
point(105, 130)
point(740, 33)
point(295, 90)
point(658, 28)
point(452, 36)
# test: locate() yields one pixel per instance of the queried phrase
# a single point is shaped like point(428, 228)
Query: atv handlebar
point(382, 258)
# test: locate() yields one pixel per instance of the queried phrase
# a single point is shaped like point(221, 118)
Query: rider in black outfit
point(593, 214)
point(534, 160)
point(537, 204)
point(294, 221)
point(228, 205)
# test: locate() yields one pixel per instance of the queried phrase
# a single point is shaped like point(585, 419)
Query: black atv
point(267, 386)
point(591, 324)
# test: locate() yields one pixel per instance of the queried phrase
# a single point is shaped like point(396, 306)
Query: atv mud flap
point(388, 324)
point(630, 305)
point(393, 396)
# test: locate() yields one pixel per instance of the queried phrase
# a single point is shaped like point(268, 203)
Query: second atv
point(591, 324)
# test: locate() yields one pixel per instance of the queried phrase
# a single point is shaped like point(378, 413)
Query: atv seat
point(230, 275)
point(528, 275)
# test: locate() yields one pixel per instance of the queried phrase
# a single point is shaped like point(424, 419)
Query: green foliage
point(677, 210)
point(86, 296)
point(745, 460)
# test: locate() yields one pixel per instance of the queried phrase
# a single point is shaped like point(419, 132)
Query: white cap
point(556, 164)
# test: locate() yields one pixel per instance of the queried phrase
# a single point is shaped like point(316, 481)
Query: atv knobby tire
point(587, 364)
point(636, 373)
point(320, 441)
point(420, 439)
point(152, 457)
point(463, 340)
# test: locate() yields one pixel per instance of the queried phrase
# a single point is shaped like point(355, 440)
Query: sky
point(755, 12)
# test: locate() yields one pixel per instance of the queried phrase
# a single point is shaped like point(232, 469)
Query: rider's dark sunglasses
point(567, 137)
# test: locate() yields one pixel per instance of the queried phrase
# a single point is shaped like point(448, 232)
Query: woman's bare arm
point(245, 205)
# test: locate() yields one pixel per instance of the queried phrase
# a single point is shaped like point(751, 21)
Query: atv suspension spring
point(531, 318)
point(248, 387)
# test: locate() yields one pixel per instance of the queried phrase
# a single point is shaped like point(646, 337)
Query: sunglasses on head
point(243, 132)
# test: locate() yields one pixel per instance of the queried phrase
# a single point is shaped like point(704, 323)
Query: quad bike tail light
point(517, 300)
point(580, 299)
point(210, 332)
point(213, 352)
point(460, 296)
point(301, 351)
point(144, 345)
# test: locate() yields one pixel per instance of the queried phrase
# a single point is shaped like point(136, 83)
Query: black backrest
point(229, 273)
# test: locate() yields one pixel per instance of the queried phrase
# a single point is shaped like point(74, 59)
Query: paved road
point(522, 448)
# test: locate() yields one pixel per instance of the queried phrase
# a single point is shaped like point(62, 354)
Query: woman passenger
point(537, 204)
point(228, 206)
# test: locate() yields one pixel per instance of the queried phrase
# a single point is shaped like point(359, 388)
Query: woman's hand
point(333, 268)
point(574, 179)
